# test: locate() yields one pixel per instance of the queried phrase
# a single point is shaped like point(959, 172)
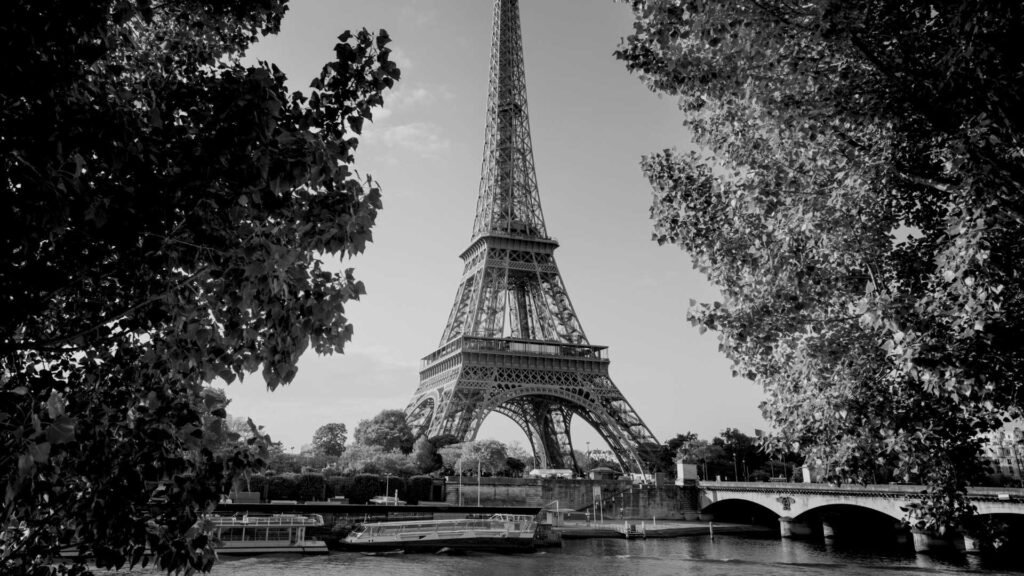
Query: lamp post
point(1016, 458)
point(735, 468)
point(460, 481)
point(477, 483)
point(387, 484)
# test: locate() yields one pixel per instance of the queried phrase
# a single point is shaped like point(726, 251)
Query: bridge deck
point(905, 490)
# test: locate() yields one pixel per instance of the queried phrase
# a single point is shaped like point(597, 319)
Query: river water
point(698, 556)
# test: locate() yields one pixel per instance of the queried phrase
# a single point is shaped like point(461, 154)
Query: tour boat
point(276, 534)
point(500, 532)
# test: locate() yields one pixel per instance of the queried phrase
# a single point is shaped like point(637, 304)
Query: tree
point(657, 456)
point(329, 439)
point(167, 210)
point(674, 444)
point(370, 459)
point(521, 453)
point(583, 461)
point(480, 455)
point(857, 197)
point(425, 452)
point(389, 430)
point(515, 467)
point(661, 458)
point(450, 456)
point(743, 453)
point(224, 435)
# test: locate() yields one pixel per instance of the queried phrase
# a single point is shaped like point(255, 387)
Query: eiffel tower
point(513, 344)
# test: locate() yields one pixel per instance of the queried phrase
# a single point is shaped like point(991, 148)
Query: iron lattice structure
point(513, 343)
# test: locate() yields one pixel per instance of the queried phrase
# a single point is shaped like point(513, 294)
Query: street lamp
point(735, 468)
point(387, 485)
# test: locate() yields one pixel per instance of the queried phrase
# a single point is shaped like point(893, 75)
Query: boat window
point(278, 533)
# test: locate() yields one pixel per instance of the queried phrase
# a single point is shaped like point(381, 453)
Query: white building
point(1005, 450)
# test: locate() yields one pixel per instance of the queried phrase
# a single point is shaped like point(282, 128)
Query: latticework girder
point(509, 202)
point(513, 343)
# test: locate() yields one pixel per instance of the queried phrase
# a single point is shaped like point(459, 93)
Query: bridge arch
point(860, 508)
point(742, 511)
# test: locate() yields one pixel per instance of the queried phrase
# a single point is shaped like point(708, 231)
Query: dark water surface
point(725, 556)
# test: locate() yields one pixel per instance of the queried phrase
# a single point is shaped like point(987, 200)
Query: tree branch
point(58, 342)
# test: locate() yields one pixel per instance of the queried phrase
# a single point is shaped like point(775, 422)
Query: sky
point(591, 123)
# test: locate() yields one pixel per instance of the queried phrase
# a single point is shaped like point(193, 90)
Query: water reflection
point(723, 556)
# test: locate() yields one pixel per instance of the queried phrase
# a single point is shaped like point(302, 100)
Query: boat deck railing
point(277, 520)
point(497, 522)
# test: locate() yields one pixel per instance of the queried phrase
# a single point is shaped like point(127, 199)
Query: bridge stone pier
point(806, 509)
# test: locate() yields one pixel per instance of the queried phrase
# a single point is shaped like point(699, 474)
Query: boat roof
point(278, 520)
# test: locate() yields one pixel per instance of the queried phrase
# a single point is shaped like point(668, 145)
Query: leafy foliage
point(857, 198)
point(166, 213)
point(364, 487)
point(389, 430)
point(484, 455)
point(362, 458)
point(329, 439)
point(419, 488)
point(424, 455)
point(310, 488)
point(487, 456)
point(255, 483)
point(515, 467)
point(282, 487)
point(339, 486)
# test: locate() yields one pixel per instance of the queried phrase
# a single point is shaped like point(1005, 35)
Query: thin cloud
point(409, 98)
point(423, 138)
point(401, 59)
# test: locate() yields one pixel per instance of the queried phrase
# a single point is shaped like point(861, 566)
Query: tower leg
point(551, 421)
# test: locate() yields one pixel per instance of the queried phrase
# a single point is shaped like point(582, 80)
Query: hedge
point(364, 487)
point(282, 487)
point(420, 488)
point(339, 486)
point(310, 487)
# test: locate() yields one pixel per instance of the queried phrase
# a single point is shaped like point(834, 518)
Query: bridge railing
point(980, 492)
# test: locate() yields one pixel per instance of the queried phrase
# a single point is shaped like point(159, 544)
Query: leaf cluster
point(167, 215)
point(329, 439)
point(856, 194)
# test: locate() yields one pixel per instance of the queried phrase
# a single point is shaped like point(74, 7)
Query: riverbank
point(571, 530)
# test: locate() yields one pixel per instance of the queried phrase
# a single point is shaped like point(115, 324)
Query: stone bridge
point(805, 508)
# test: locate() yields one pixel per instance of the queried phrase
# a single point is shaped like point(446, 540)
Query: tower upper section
point(509, 203)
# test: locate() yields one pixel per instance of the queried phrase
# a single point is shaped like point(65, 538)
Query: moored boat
point(274, 534)
point(500, 533)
